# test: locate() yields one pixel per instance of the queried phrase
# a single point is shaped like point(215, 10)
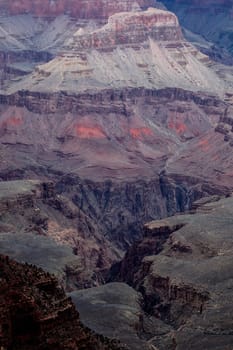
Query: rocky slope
point(111, 171)
point(134, 49)
point(36, 313)
point(41, 227)
point(120, 310)
point(34, 28)
point(130, 122)
point(212, 19)
point(85, 9)
point(32, 32)
point(100, 120)
point(182, 268)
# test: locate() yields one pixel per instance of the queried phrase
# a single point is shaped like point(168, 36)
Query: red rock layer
point(85, 9)
point(132, 28)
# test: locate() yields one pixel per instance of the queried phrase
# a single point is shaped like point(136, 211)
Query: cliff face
point(212, 19)
point(225, 125)
point(118, 174)
point(134, 49)
point(113, 157)
point(81, 130)
point(42, 227)
point(131, 28)
point(184, 294)
point(120, 112)
point(36, 314)
point(85, 9)
point(206, 2)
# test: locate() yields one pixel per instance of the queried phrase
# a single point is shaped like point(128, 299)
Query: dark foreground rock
point(36, 314)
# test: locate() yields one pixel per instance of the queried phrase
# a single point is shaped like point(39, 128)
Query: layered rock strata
point(90, 143)
point(134, 49)
point(42, 227)
point(225, 126)
point(36, 313)
point(194, 298)
point(212, 19)
point(85, 9)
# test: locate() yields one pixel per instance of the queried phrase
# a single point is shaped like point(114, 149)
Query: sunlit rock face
point(132, 28)
point(134, 49)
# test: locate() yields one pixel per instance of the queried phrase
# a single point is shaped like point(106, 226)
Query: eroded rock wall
point(85, 9)
point(36, 313)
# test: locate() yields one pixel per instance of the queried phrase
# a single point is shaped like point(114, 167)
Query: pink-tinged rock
point(85, 9)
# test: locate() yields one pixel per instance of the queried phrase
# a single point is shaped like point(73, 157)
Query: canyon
point(181, 272)
point(110, 118)
point(36, 313)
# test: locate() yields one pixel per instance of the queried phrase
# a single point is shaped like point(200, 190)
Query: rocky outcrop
point(186, 295)
point(42, 102)
point(120, 310)
point(21, 195)
point(37, 222)
point(225, 126)
point(36, 313)
point(211, 18)
point(110, 177)
point(85, 9)
point(33, 32)
point(132, 28)
point(149, 42)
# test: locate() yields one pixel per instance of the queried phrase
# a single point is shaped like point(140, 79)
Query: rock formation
point(149, 42)
point(120, 310)
point(47, 229)
point(89, 156)
point(120, 120)
point(81, 9)
point(112, 120)
point(36, 313)
point(182, 268)
point(212, 19)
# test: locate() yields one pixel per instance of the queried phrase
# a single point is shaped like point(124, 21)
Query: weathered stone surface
point(130, 28)
point(89, 144)
point(86, 9)
point(212, 19)
point(182, 268)
point(135, 49)
point(41, 227)
point(119, 307)
point(36, 313)
point(122, 148)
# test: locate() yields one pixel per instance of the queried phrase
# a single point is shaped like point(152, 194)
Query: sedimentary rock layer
point(212, 19)
point(36, 313)
point(182, 267)
point(134, 49)
point(85, 9)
